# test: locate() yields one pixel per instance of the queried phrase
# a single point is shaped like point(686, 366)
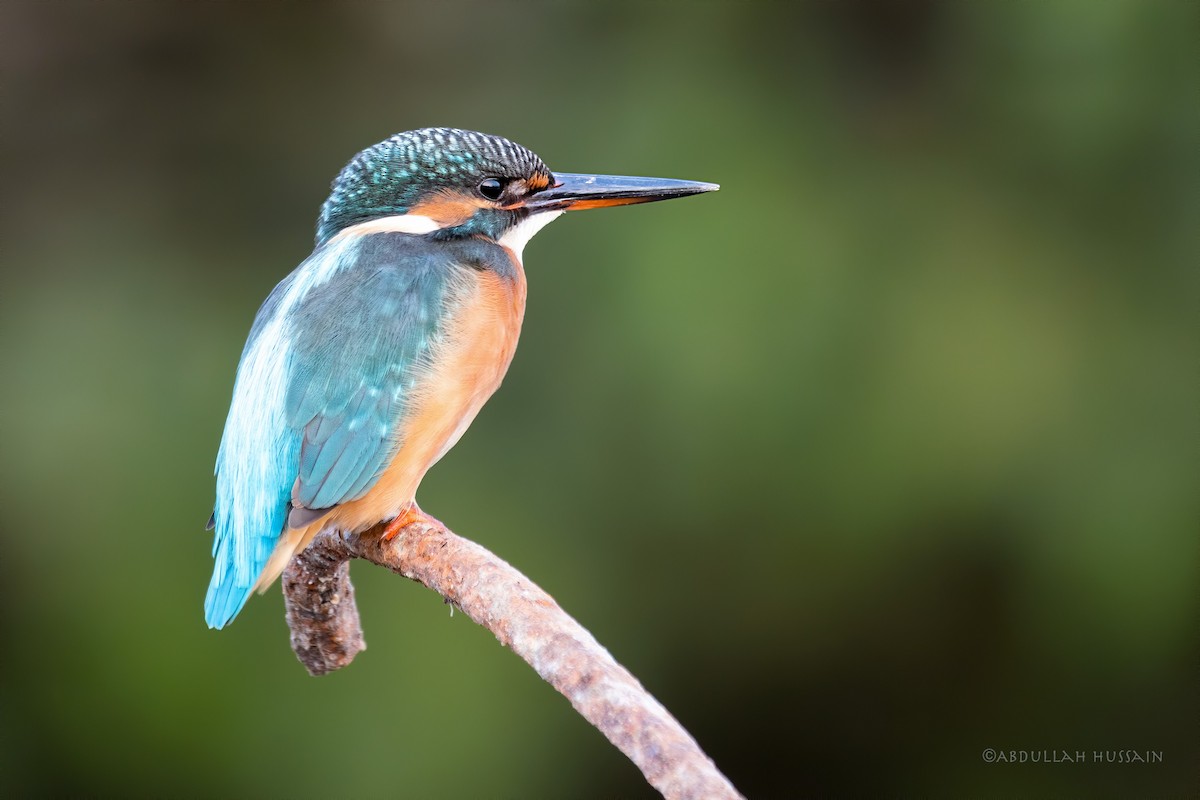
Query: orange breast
point(469, 365)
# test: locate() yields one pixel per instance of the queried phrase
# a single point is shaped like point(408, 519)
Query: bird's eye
point(491, 188)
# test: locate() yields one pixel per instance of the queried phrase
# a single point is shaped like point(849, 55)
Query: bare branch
point(326, 635)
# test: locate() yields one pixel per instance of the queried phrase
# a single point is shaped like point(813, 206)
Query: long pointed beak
point(576, 192)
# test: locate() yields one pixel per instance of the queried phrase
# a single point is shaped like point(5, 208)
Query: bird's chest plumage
point(478, 339)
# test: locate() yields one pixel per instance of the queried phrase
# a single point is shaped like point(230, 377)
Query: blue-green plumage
point(388, 178)
point(337, 355)
point(376, 325)
point(327, 372)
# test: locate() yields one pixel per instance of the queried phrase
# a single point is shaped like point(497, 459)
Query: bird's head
point(446, 182)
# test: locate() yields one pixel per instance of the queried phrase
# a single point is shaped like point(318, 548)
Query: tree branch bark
point(326, 636)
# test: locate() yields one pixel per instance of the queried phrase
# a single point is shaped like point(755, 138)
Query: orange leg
point(405, 518)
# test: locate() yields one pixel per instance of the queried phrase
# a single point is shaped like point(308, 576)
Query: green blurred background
point(881, 456)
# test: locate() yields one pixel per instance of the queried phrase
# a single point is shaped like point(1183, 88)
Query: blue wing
point(324, 377)
point(362, 347)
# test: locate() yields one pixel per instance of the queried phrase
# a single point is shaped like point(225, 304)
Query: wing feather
point(324, 380)
point(364, 345)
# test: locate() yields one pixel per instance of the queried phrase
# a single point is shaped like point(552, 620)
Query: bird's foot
point(408, 516)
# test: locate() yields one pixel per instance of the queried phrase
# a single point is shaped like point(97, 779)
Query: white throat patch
point(519, 235)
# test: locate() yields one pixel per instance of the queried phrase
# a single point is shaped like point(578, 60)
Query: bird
point(368, 362)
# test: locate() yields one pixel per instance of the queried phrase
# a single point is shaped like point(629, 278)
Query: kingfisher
point(368, 362)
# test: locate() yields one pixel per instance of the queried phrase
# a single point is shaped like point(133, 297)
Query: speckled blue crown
point(387, 178)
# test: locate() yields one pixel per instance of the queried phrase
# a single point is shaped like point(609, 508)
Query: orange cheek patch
point(447, 210)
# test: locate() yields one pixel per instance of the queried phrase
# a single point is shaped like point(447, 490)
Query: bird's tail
point(226, 594)
point(236, 569)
